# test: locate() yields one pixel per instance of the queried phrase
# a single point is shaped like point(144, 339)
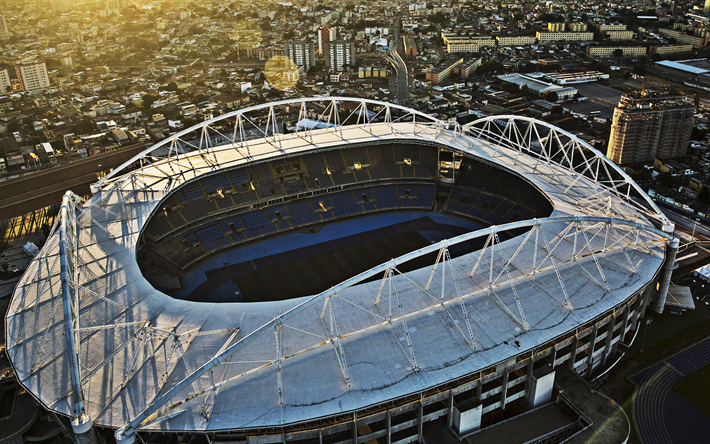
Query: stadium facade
point(569, 256)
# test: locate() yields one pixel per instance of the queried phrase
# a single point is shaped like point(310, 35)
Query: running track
point(655, 382)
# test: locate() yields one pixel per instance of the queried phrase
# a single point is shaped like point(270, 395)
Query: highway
point(399, 83)
point(43, 188)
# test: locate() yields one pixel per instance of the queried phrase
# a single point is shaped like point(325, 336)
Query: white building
point(301, 53)
point(32, 76)
point(5, 84)
point(339, 54)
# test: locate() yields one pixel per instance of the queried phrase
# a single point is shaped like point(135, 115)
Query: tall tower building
point(300, 53)
point(326, 34)
point(657, 125)
point(32, 76)
point(4, 30)
point(5, 83)
point(339, 54)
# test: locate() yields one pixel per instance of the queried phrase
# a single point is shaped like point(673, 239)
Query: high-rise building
point(5, 83)
point(32, 76)
point(4, 30)
point(301, 53)
point(655, 125)
point(339, 54)
point(326, 34)
point(706, 9)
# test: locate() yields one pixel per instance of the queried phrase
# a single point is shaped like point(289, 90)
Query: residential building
point(619, 35)
point(610, 27)
point(443, 71)
point(4, 30)
point(301, 53)
point(605, 52)
point(467, 68)
point(564, 36)
point(326, 34)
point(655, 125)
point(32, 76)
point(372, 71)
point(577, 27)
point(339, 54)
point(556, 27)
point(455, 43)
point(669, 49)
point(5, 83)
point(697, 42)
point(515, 41)
point(410, 45)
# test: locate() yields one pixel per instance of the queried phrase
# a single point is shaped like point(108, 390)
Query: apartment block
point(339, 54)
point(515, 41)
point(697, 42)
point(301, 53)
point(443, 71)
point(617, 36)
point(655, 125)
point(5, 83)
point(606, 52)
point(32, 76)
point(669, 49)
point(564, 36)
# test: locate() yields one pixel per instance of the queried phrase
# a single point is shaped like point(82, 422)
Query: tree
point(84, 126)
point(172, 86)
point(13, 126)
point(666, 179)
point(618, 52)
point(148, 100)
point(627, 74)
point(556, 110)
point(640, 70)
point(510, 87)
point(704, 195)
point(550, 96)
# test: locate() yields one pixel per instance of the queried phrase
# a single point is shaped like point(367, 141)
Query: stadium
point(336, 270)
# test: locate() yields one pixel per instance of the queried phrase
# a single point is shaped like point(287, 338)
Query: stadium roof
point(145, 360)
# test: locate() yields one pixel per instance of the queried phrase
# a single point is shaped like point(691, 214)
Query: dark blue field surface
point(300, 264)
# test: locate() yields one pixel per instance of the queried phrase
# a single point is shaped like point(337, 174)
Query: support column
point(573, 353)
point(420, 427)
point(622, 329)
point(83, 430)
point(528, 376)
point(451, 407)
point(389, 427)
point(660, 300)
point(479, 388)
point(607, 342)
point(553, 356)
point(504, 389)
point(590, 352)
point(355, 427)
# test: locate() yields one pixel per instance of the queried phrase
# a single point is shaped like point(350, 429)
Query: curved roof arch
point(329, 117)
point(523, 141)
